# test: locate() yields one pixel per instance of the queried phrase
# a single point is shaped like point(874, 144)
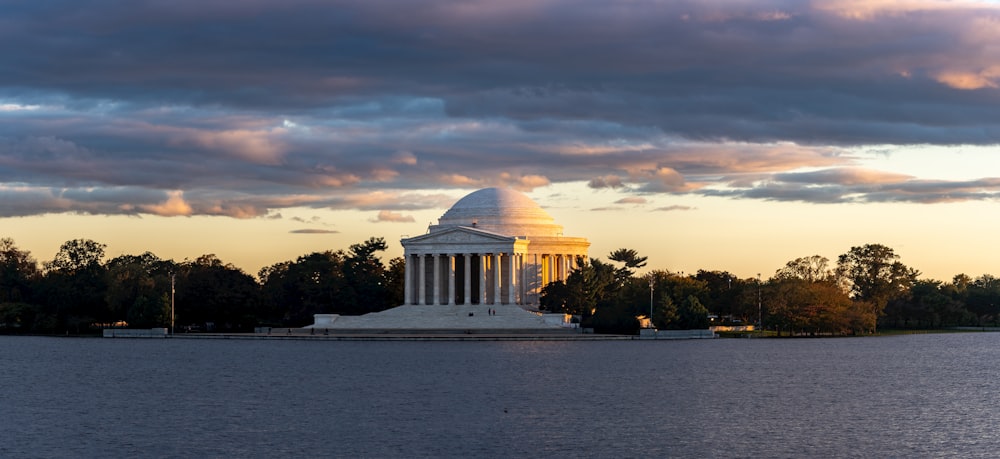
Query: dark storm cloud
point(234, 108)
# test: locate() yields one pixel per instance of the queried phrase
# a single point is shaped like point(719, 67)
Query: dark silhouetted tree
point(873, 274)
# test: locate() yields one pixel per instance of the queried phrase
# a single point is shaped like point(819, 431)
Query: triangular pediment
point(459, 235)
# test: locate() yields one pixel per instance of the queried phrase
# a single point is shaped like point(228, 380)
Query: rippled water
point(906, 396)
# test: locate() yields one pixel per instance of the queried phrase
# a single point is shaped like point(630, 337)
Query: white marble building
point(481, 267)
point(495, 246)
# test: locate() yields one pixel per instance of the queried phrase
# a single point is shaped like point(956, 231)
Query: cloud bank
point(241, 108)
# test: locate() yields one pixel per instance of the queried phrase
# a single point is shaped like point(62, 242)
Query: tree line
point(868, 287)
point(79, 291)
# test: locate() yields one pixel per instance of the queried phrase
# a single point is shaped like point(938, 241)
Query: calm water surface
point(906, 396)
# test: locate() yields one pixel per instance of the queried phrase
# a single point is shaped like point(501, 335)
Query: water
point(906, 396)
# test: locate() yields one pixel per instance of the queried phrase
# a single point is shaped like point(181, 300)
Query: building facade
point(494, 246)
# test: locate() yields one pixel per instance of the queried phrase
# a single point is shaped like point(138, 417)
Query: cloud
point(971, 80)
point(193, 108)
point(173, 206)
point(394, 217)
point(673, 208)
point(313, 231)
point(842, 176)
point(868, 10)
point(631, 200)
point(254, 146)
point(859, 186)
point(608, 181)
point(668, 180)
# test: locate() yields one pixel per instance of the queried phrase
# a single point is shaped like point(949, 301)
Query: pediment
point(459, 235)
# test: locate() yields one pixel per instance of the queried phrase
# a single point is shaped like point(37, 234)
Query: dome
point(500, 210)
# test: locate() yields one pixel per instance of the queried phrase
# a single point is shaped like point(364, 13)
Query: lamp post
point(173, 277)
point(651, 300)
point(760, 322)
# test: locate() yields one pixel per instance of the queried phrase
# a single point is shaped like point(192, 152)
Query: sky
point(718, 135)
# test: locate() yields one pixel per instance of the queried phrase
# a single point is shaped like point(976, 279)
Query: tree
point(19, 277)
point(929, 303)
point(631, 260)
point(332, 282)
point(657, 292)
point(213, 294)
point(368, 289)
point(312, 284)
point(723, 291)
point(982, 298)
point(74, 286)
point(395, 277)
point(814, 268)
point(77, 255)
point(18, 273)
point(138, 290)
point(798, 305)
point(665, 313)
point(587, 286)
point(873, 273)
point(691, 315)
point(556, 298)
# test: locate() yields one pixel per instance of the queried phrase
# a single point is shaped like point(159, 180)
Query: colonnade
point(481, 278)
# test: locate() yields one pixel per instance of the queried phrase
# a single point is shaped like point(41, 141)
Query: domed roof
point(500, 210)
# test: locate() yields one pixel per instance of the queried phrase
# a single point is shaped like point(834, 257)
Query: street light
point(651, 300)
point(760, 322)
point(173, 277)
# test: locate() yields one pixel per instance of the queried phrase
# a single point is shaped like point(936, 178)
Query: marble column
point(557, 267)
point(408, 280)
point(451, 279)
point(466, 294)
point(523, 290)
point(481, 294)
point(551, 270)
point(422, 280)
point(511, 278)
point(497, 278)
point(437, 279)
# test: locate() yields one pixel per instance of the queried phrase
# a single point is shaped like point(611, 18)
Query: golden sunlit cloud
point(458, 180)
point(668, 180)
point(330, 176)
point(394, 217)
point(865, 10)
point(174, 206)
point(969, 81)
point(525, 182)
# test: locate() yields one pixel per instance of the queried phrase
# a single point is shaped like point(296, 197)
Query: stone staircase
point(445, 317)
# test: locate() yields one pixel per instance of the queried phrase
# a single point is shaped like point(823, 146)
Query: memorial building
point(482, 266)
point(494, 246)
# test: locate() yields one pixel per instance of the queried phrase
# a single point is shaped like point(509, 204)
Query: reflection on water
point(917, 395)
